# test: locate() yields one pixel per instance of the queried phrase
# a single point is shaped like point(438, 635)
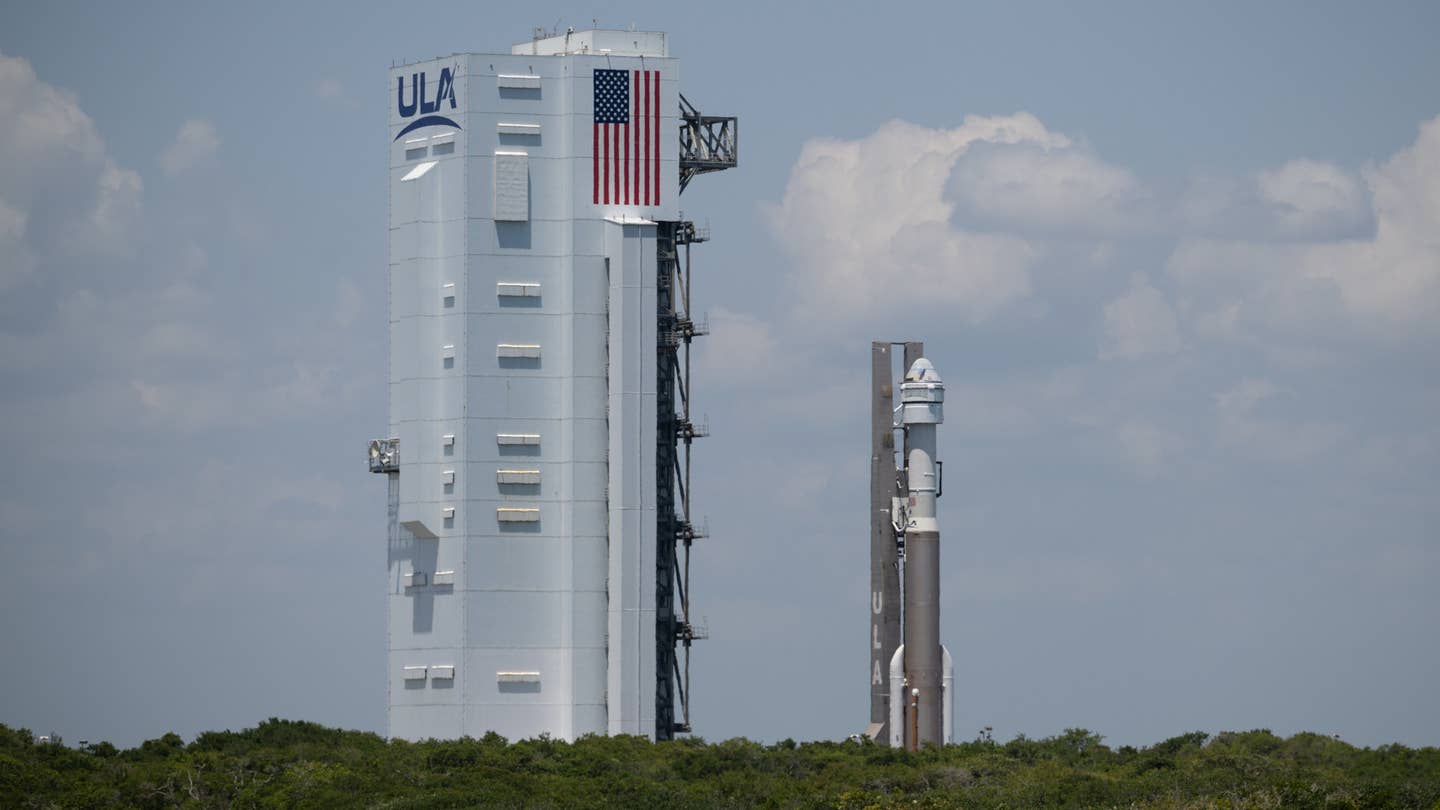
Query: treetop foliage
point(286, 763)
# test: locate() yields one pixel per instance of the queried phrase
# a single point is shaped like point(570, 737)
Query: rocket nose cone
point(922, 371)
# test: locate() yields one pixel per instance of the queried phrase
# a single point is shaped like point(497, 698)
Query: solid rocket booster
point(922, 397)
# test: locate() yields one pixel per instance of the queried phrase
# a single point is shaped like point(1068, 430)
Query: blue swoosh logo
point(426, 121)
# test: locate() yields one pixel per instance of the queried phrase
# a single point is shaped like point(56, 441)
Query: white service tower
point(533, 209)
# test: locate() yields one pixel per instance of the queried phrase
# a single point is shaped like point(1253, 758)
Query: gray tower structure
point(537, 346)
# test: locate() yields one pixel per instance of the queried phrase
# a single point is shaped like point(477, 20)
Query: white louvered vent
point(517, 514)
point(529, 351)
point(517, 476)
point(518, 81)
point(511, 439)
point(512, 187)
point(507, 128)
point(517, 289)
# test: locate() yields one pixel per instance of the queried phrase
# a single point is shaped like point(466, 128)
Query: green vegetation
point(283, 763)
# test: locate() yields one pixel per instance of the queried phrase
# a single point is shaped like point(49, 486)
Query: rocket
point(918, 703)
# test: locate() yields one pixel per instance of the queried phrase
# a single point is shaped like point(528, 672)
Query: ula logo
point(420, 100)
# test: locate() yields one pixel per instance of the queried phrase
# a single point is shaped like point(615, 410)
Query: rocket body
point(922, 397)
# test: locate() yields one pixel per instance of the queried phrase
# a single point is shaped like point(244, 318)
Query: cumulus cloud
point(867, 221)
point(15, 259)
point(1307, 197)
point(1387, 282)
point(1029, 188)
point(140, 343)
point(1139, 323)
point(117, 208)
point(195, 143)
point(60, 191)
point(40, 122)
point(1299, 201)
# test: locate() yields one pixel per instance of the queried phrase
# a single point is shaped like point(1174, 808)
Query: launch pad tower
point(540, 430)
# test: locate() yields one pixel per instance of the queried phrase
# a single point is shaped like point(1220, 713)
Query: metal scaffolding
point(675, 528)
point(708, 143)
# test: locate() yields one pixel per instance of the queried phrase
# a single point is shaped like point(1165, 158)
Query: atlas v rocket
point(911, 694)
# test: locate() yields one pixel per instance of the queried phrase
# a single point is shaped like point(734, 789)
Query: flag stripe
point(634, 177)
point(647, 137)
point(657, 137)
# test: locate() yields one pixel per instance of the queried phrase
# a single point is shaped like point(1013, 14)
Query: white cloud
point(1030, 188)
point(195, 143)
point(1139, 323)
point(15, 260)
point(1300, 201)
point(40, 123)
point(1308, 197)
point(56, 180)
point(1247, 432)
point(140, 345)
point(869, 226)
point(117, 211)
point(1385, 283)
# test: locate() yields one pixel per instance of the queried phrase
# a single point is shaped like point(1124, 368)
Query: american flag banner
point(625, 161)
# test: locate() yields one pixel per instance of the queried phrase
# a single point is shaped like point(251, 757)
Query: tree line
point(285, 763)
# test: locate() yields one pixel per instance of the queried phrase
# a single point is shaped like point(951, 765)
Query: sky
point(1179, 267)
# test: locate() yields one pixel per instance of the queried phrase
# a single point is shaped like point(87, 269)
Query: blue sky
point(1178, 266)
